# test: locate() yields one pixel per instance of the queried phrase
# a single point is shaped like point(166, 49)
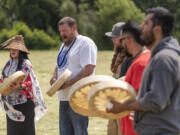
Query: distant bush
point(41, 40)
point(4, 35)
point(34, 39)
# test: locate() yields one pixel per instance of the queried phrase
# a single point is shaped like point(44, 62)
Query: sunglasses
point(121, 39)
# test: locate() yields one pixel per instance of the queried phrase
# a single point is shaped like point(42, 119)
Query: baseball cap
point(115, 30)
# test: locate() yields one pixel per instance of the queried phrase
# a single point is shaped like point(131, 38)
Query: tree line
point(37, 19)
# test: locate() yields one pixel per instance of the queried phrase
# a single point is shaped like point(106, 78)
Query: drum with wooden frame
point(101, 95)
point(62, 79)
point(5, 88)
point(79, 91)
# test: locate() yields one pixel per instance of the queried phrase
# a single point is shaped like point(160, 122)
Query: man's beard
point(148, 39)
point(67, 43)
point(127, 53)
point(119, 49)
point(67, 39)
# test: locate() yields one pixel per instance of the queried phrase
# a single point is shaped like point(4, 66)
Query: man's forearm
point(88, 70)
point(128, 106)
point(133, 105)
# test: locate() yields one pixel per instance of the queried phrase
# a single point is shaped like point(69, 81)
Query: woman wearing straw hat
point(26, 102)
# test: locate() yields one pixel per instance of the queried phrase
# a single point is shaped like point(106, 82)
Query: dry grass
point(43, 64)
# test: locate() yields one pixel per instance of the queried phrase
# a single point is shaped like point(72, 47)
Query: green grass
point(43, 64)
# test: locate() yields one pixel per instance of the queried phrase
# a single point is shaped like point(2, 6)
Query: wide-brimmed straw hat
point(16, 42)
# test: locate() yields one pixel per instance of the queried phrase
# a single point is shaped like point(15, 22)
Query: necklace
point(59, 63)
point(142, 50)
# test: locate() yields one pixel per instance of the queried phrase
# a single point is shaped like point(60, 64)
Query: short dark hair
point(162, 17)
point(67, 20)
point(133, 29)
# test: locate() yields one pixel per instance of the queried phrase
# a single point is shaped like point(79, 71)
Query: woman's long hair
point(22, 56)
point(116, 62)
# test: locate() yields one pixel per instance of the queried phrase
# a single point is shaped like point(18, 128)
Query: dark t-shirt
point(125, 65)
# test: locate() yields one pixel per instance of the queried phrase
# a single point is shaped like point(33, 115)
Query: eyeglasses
point(121, 39)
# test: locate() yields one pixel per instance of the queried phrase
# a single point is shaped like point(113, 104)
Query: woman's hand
point(15, 86)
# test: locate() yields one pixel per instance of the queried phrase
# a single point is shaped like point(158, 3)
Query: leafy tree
point(86, 20)
point(68, 8)
point(12, 8)
point(34, 39)
point(112, 11)
point(41, 14)
point(79, 2)
point(84, 16)
point(94, 17)
point(4, 19)
point(172, 5)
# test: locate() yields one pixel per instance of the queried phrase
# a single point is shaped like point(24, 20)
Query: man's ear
point(74, 27)
point(129, 40)
point(158, 29)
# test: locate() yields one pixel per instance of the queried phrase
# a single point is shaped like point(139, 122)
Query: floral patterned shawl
point(32, 92)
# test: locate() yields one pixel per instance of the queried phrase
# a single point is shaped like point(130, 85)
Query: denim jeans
point(71, 123)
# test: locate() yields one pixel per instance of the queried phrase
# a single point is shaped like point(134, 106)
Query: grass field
point(43, 64)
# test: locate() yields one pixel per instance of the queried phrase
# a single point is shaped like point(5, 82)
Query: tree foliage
point(172, 5)
point(34, 39)
point(113, 11)
point(94, 17)
point(83, 14)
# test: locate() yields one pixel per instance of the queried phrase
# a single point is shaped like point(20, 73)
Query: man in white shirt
point(78, 54)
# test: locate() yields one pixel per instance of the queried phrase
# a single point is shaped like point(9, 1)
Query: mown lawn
point(43, 64)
